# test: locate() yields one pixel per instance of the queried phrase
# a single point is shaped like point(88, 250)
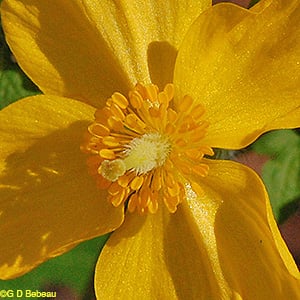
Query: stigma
point(142, 155)
point(143, 147)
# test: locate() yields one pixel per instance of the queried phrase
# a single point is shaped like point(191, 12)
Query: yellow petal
point(262, 4)
point(89, 49)
point(48, 201)
point(60, 49)
point(236, 222)
point(244, 68)
point(224, 245)
point(157, 257)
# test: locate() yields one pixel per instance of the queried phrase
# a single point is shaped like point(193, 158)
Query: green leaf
point(253, 2)
point(14, 84)
point(281, 174)
point(74, 269)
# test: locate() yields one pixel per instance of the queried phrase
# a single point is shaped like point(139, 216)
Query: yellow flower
point(168, 80)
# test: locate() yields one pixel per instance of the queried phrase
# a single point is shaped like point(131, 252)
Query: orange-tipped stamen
point(145, 147)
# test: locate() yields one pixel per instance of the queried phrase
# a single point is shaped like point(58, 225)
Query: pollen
point(144, 150)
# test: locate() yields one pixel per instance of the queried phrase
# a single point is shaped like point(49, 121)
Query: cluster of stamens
point(143, 147)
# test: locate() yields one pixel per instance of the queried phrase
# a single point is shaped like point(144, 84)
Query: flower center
point(143, 155)
point(143, 149)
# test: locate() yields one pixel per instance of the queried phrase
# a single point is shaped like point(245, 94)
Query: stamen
point(143, 148)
